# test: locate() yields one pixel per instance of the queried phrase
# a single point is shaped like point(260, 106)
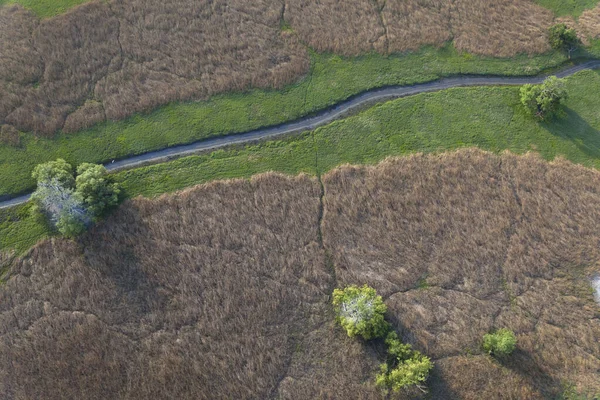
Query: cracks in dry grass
point(382, 21)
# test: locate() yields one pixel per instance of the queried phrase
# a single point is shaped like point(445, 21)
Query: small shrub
point(405, 367)
point(9, 135)
point(544, 100)
point(360, 311)
point(563, 38)
point(500, 343)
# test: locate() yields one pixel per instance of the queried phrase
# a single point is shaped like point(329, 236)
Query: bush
point(406, 367)
point(360, 311)
point(97, 192)
point(544, 100)
point(563, 38)
point(500, 343)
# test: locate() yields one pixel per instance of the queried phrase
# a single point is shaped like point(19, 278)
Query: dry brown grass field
point(222, 291)
point(108, 60)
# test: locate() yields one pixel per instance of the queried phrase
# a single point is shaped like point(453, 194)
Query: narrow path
point(322, 118)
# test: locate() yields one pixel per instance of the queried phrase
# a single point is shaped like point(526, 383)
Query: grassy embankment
point(331, 80)
point(490, 118)
point(567, 7)
point(45, 8)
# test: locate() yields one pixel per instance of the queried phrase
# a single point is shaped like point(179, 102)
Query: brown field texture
point(223, 291)
point(108, 60)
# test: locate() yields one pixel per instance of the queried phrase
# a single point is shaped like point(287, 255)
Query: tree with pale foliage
point(63, 207)
point(360, 311)
point(72, 204)
point(544, 100)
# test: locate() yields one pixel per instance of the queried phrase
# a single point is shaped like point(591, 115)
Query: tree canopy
point(544, 100)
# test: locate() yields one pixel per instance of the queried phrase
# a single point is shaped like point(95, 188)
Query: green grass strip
point(568, 7)
point(490, 118)
point(332, 79)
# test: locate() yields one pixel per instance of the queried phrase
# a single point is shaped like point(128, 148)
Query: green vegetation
point(500, 343)
point(46, 8)
point(331, 80)
point(563, 38)
point(405, 367)
point(360, 311)
point(71, 204)
point(490, 118)
point(568, 7)
point(544, 100)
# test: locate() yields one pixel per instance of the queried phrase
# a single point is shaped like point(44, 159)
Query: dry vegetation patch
point(202, 295)
point(222, 291)
point(108, 60)
point(463, 243)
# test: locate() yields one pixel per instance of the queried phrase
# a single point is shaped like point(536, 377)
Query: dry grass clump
point(134, 55)
point(500, 28)
point(589, 22)
point(462, 243)
point(202, 295)
point(347, 27)
point(412, 24)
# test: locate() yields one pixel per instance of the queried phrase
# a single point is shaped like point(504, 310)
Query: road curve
point(324, 117)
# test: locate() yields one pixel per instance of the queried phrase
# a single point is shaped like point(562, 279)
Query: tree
point(96, 190)
point(63, 207)
point(563, 38)
point(60, 170)
point(544, 100)
point(405, 367)
point(360, 311)
point(500, 343)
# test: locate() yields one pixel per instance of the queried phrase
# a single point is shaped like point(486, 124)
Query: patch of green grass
point(20, 229)
point(332, 79)
point(568, 7)
point(46, 8)
point(490, 118)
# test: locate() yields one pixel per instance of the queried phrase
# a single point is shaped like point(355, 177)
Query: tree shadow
point(525, 366)
point(577, 130)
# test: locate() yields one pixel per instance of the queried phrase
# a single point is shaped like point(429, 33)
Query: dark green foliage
point(360, 311)
point(544, 100)
point(405, 367)
point(500, 343)
point(563, 38)
point(95, 188)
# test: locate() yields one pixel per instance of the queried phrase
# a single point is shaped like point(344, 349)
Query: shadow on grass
point(578, 131)
point(525, 366)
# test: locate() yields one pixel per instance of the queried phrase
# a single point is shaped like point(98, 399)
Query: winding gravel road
point(324, 117)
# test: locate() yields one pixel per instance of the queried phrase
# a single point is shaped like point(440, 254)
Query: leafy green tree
point(544, 100)
point(60, 170)
point(95, 188)
point(360, 311)
point(563, 38)
point(405, 367)
point(500, 343)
